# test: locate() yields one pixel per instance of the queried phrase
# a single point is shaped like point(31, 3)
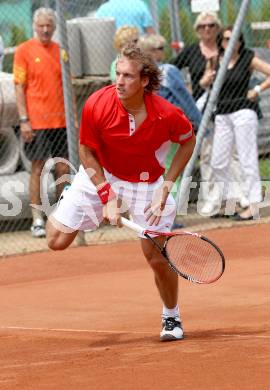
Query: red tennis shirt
point(129, 154)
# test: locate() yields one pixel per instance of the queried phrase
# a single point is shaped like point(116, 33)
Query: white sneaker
point(244, 203)
point(171, 329)
point(208, 209)
point(38, 228)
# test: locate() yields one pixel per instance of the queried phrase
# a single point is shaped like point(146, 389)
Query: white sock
point(37, 214)
point(170, 312)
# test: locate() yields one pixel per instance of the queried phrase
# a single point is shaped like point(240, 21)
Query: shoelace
point(38, 227)
point(171, 323)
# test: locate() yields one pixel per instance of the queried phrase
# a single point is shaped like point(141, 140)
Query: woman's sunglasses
point(209, 25)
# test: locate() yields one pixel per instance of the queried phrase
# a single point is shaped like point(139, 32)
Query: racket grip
point(132, 225)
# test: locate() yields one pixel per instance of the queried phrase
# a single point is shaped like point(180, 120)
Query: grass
point(265, 168)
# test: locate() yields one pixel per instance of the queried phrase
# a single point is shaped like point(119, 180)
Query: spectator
point(201, 58)
point(135, 13)
point(123, 36)
point(236, 122)
point(40, 102)
point(196, 56)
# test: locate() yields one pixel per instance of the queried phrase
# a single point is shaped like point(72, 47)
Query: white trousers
point(209, 201)
point(237, 130)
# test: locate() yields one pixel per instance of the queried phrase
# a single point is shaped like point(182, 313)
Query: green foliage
point(165, 30)
point(8, 63)
point(189, 35)
point(264, 11)
point(265, 168)
point(230, 13)
point(17, 36)
point(260, 37)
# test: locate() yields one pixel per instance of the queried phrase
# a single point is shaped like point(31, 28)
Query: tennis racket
point(190, 255)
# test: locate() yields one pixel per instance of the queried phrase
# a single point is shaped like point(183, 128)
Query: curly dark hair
point(148, 66)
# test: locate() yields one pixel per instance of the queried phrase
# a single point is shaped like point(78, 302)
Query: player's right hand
point(111, 213)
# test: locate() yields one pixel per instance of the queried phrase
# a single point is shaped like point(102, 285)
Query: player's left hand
point(153, 211)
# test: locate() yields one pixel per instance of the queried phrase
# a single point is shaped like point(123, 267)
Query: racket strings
point(195, 258)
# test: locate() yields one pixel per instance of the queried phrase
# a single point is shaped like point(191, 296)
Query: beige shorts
point(81, 209)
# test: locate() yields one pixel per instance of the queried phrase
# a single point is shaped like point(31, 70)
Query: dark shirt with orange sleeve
point(37, 67)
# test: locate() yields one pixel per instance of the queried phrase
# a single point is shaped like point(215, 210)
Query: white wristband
point(258, 89)
point(23, 119)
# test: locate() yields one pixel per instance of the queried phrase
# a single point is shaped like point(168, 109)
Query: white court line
point(246, 335)
point(119, 332)
point(73, 330)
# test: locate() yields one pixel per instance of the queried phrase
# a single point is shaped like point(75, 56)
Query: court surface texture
point(89, 318)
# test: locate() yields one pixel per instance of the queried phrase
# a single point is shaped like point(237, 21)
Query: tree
point(18, 35)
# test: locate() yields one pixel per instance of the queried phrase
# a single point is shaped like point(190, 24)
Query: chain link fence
point(87, 52)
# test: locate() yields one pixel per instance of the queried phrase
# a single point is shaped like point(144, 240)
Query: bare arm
point(26, 129)
point(263, 67)
point(21, 103)
point(209, 74)
point(180, 160)
point(92, 166)
point(95, 173)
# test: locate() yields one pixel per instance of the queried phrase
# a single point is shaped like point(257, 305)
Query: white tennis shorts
point(81, 209)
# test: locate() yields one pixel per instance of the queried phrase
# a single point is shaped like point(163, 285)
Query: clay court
point(89, 318)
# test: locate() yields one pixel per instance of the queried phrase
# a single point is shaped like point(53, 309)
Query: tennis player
point(126, 131)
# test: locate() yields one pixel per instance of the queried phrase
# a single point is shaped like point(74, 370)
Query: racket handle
point(132, 225)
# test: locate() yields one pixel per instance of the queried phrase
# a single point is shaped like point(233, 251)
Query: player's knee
point(154, 257)
point(56, 240)
point(148, 253)
point(51, 244)
point(55, 244)
point(155, 261)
